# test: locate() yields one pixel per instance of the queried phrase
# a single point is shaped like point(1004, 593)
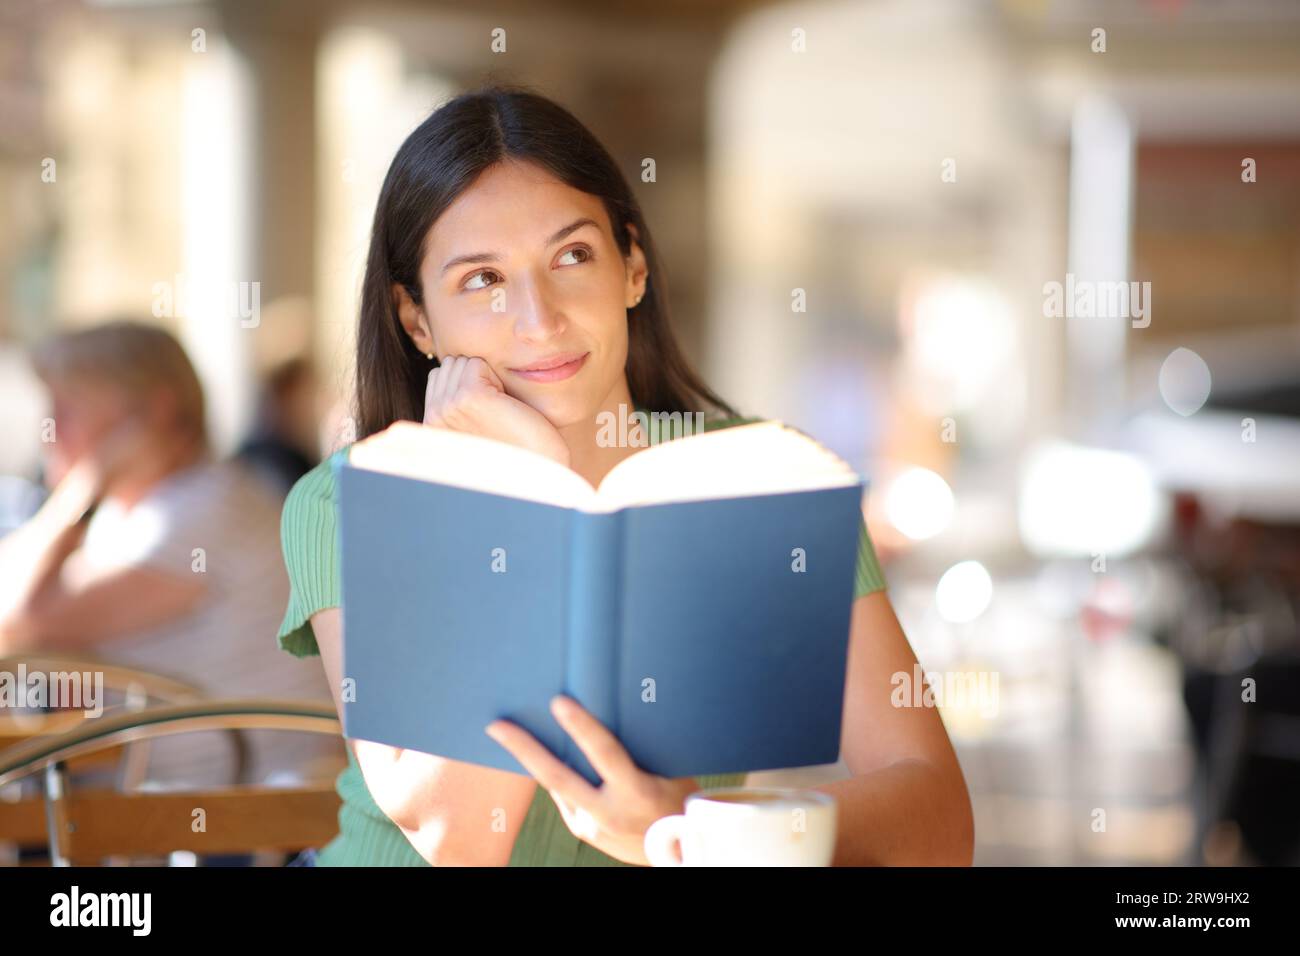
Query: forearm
point(906, 814)
point(447, 813)
point(30, 566)
point(446, 809)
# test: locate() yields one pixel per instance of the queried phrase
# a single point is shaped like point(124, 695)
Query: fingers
point(487, 373)
point(581, 822)
point(431, 390)
point(602, 749)
point(440, 387)
point(545, 768)
point(455, 374)
point(434, 385)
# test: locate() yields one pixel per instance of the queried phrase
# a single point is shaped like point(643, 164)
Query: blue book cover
point(710, 636)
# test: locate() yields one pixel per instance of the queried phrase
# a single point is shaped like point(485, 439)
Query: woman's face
point(522, 270)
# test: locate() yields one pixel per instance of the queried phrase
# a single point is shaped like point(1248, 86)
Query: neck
point(587, 455)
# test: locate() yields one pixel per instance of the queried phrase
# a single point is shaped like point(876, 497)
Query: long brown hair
point(436, 163)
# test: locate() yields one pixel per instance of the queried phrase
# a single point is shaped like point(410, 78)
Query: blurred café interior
point(874, 216)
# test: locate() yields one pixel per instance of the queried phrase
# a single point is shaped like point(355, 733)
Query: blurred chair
point(132, 688)
point(85, 828)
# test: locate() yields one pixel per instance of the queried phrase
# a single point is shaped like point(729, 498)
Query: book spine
point(595, 592)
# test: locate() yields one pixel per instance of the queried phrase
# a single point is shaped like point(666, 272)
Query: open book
point(697, 602)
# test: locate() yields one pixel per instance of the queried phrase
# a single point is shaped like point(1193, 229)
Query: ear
point(414, 322)
point(637, 270)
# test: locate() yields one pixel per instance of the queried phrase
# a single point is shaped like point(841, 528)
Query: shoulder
point(312, 492)
point(192, 503)
point(190, 492)
point(308, 519)
point(309, 540)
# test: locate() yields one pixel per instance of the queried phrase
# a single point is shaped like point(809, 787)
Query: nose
point(536, 317)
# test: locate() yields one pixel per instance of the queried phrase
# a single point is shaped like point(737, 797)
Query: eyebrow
point(494, 257)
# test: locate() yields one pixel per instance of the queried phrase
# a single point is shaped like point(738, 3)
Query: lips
point(555, 361)
point(553, 369)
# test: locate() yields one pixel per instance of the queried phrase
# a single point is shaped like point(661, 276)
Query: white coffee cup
point(746, 826)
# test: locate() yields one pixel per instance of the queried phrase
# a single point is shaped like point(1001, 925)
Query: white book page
point(412, 450)
point(741, 461)
point(764, 458)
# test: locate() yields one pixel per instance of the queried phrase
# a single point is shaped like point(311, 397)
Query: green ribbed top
point(309, 538)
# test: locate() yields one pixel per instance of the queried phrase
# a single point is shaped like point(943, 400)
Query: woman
point(512, 290)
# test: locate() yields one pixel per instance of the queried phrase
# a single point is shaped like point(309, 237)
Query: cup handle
point(663, 841)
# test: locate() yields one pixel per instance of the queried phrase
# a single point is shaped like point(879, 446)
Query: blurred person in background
point(148, 553)
point(283, 444)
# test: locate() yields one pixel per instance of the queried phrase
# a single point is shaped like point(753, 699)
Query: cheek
point(69, 428)
point(80, 425)
point(458, 330)
point(615, 336)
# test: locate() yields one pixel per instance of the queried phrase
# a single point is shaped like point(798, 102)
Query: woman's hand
point(464, 394)
point(614, 816)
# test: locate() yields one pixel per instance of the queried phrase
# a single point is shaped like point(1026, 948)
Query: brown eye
point(586, 254)
point(481, 272)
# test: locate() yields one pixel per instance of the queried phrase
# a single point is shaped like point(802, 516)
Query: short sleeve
point(870, 577)
point(309, 540)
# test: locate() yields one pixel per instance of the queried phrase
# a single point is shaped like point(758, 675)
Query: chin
point(562, 410)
